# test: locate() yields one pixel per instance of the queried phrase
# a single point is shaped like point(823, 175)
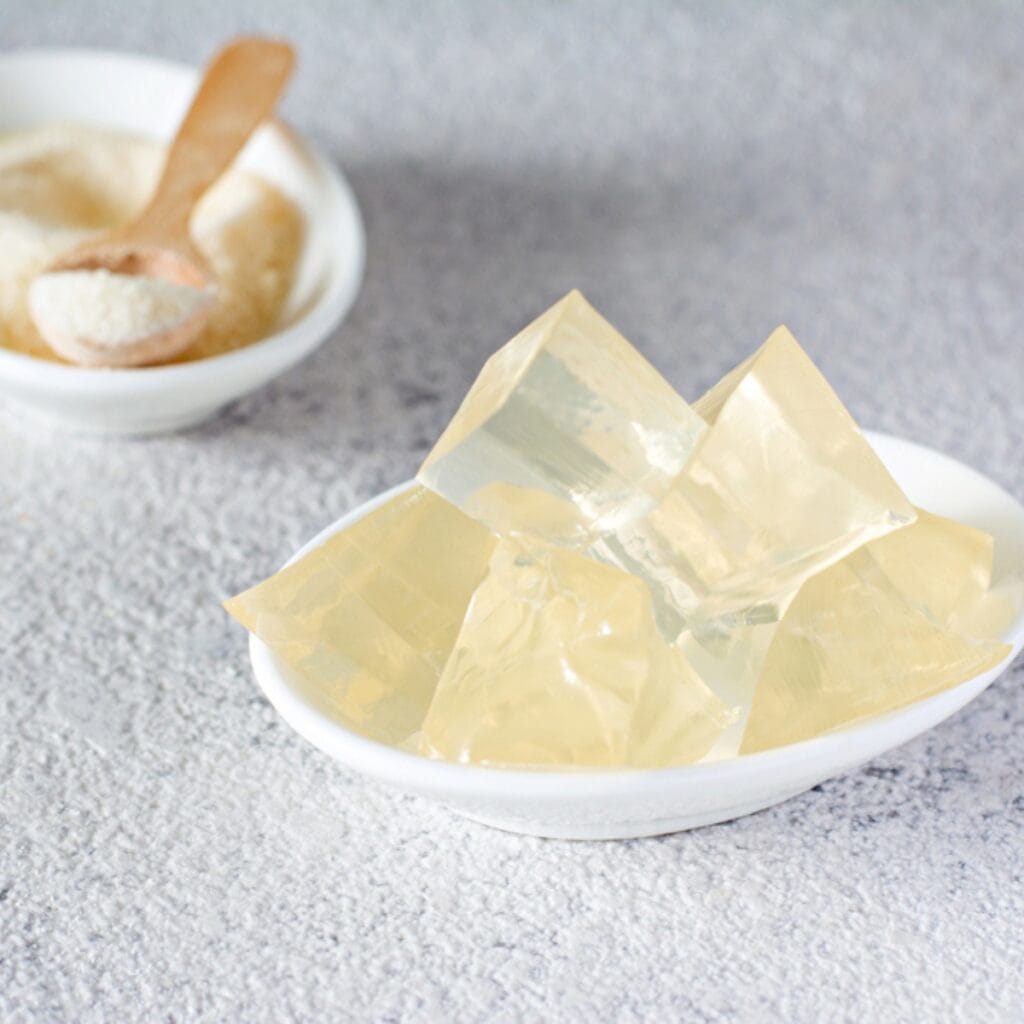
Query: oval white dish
point(626, 804)
point(148, 96)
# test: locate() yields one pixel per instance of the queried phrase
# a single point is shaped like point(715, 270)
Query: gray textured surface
point(170, 851)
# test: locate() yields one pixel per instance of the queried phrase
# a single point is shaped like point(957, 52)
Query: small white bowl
point(622, 804)
point(148, 97)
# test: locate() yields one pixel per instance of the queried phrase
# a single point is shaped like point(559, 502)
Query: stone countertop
point(170, 850)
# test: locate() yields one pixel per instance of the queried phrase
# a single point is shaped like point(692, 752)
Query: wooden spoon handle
point(238, 91)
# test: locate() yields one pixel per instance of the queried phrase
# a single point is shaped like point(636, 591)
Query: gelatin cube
point(729, 658)
point(569, 436)
point(783, 485)
point(944, 568)
point(368, 618)
point(567, 429)
point(852, 645)
point(559, 662)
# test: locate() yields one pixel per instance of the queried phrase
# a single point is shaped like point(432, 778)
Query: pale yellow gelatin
point(559, 662)
point(367, 619)
point(723, 509)
point(944, 568)
point(623, 570)
point(570, 436)
point(783, 485)
point(880, 630)
point(567, 432)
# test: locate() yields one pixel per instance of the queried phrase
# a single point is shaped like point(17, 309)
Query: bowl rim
point(854, 743)
point(341, 281)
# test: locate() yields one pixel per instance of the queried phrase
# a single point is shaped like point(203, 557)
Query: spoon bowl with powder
point(141, 294)
point(108, 318)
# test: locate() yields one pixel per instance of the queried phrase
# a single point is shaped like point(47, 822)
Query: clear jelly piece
point(945, 568)
point(559, 662)
point(567, 432)
point(569, 436)
point(368, 618)
point(875, 632)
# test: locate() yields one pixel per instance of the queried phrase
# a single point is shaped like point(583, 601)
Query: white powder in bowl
point(64, 184)
point(110, 310)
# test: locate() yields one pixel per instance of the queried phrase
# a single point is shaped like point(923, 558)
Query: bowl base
point(645, 829)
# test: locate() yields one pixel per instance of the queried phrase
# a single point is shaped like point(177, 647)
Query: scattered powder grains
point(63, 184)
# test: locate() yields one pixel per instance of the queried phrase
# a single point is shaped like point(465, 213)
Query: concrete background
point(170, 851)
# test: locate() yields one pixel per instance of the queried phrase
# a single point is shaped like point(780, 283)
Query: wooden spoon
point(238, 91)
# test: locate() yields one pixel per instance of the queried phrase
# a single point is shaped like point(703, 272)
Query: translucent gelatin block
point(854, 643)
point(783, 485)
point(559, 662)
point(944, 568)
point(567, 432)
point(367, 620)
point(569, 436)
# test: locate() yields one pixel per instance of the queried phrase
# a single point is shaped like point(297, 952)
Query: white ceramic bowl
point(624, 804)
point(148, 97)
